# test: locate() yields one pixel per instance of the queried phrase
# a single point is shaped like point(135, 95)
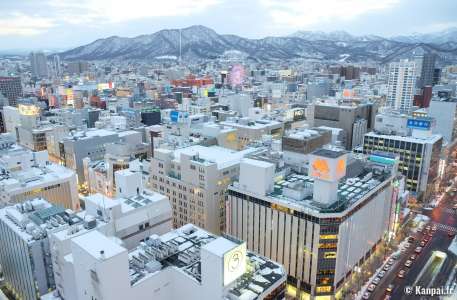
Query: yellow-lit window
point(328, 236)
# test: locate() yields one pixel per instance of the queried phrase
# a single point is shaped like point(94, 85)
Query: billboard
point(234, 263)
point(299, 114)
point(423, 124)
point(326, 168)
point(105, 86)
point(174, 116)
point(178, 116)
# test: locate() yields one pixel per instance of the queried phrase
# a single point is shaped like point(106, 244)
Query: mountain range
point(200, 42)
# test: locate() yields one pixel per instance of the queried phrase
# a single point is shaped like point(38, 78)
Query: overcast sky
point(51, 24)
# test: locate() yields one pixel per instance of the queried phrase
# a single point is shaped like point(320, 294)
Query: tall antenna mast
point(180, 45)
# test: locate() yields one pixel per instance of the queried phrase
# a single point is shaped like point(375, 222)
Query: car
point(386, 268)
point(408, 263)
point(430, 233)
point(390, 288)
point(426, 239)
point(418, 250)
point(391, 261)
point(407, 245)
point(371, 287)
point(401, 274)
point(381, 274)
point(434, 228)
point(422, 243)
point(411, 239)
point(376, 280)
point(387, 297)
point(366, 295)
point(427, 227)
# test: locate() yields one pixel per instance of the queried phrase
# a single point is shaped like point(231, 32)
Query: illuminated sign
point(324, 289)
point(327, 168)
point(105, 86)
point(234, 263)
point(320, 169)
point(419, 124)
point(341, 167)
point(299, 114)
point(28, 110)
point(231, 137)
point(330, 255)
point(177, 116)
point(381, 160)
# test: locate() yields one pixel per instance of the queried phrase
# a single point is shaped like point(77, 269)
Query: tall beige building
point(195, 179)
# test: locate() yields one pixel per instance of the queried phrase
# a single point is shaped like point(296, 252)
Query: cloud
point(114, 11)
point(18, 24)
point(306, 13)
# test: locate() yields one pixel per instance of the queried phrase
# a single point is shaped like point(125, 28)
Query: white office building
point(320, 226)
point(35, 236)
point(444, 111)
point(419, 150)
point(401, 85)
point(186, 263)
point(26, 175)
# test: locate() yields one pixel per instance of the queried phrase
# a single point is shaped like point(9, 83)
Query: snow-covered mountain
point(199, 42)
point(441, 37)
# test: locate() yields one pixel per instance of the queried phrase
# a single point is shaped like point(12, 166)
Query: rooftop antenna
point(180, 45)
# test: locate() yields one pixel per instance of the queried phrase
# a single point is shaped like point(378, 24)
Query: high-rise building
point(401, 85)
point(425, 69)
point(39, 64)
point(11, 88)
point(77, 67)
point(57, 65)
point(320, 226)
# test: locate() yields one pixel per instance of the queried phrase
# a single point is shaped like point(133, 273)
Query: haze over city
point(228, 150)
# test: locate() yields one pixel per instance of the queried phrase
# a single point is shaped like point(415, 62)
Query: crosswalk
point(445, 227)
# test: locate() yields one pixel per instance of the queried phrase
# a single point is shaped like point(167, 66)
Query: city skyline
point(64, 24)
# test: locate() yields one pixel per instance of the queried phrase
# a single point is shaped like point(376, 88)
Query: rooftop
point(180, 249)
point(328, 153)
point(127, 204)
point(423, 139)
point(223, 157)
point(295, 190)
point(98, 245)
point(34, 219)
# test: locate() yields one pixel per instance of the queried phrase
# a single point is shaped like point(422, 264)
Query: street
point(445, 220)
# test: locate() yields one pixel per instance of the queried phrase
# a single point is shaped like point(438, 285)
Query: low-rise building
point(25, 175)
point(186, 263)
